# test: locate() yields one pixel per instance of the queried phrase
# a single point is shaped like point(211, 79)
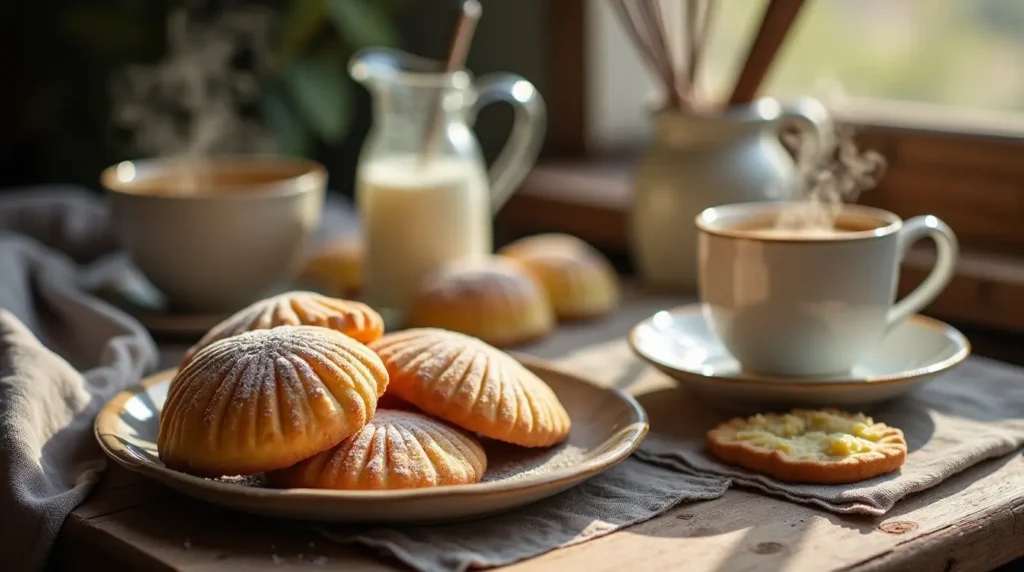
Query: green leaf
point(290, 134)
point(302, 22)
point(361, 23)
point(324, 96)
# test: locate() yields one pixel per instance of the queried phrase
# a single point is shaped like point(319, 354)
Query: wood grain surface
point(970, 522)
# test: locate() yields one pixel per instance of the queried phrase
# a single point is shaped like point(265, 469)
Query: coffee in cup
point(810, 301)
point(215, 234)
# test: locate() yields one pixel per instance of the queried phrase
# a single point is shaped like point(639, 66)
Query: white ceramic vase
point(699, 161)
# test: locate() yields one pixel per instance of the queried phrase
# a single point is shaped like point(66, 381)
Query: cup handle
point(947, 250)
point(812, 117)
point(523, 145)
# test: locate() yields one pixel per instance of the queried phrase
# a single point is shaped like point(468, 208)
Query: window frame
point(965, 170)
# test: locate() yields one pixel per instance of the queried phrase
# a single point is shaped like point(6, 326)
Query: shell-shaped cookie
point(298, 308)
point(473, 385)
point(578, 279)
point(336, 267)
point(492, 299)
point(395, 450)
point(267, 399)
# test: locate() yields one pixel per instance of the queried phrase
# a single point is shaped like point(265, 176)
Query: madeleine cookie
point(336, 267)
point(395, 450)
point(298, 308)
point(492, 299)
point(579, 281)
point(473, 385)
point(823, 446)
point(267, 399)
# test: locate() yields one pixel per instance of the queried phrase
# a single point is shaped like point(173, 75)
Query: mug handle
point(524, 142)
point(812, 117)
point(947, 249)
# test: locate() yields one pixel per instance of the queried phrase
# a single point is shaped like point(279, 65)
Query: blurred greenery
point(964, 53)
point(306, 98)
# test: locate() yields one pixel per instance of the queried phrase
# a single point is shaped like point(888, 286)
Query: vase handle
point(814, 119)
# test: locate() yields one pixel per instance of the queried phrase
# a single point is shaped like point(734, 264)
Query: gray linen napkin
point(974, 412)
point(63, 353)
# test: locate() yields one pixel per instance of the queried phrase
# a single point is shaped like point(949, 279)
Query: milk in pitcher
point(418, 215)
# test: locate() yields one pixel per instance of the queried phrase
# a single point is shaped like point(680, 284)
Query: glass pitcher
point(423, 191)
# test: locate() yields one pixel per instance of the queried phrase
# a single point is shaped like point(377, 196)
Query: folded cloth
point(63, 353)
point(972, 413)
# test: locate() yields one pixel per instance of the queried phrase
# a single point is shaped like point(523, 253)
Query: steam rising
point(825, 185)
point(191, 103)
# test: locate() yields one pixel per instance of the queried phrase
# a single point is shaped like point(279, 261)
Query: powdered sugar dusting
point(478, 278)
point(232, 388)
point(300, 307)
point(258, 481)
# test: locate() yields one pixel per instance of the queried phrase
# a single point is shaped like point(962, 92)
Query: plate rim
point(786, 384)
point(627, 439)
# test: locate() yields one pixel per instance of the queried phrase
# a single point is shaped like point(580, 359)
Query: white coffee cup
point(215, 234)
point(792, 303)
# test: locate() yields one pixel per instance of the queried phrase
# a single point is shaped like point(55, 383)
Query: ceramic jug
point(699, 161)
point(424, 194)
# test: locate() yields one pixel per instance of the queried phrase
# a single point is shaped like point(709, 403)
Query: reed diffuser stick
point(644, 22)
point(640, 33)
point(698, 23)
point(650, 11)
point(458, 48)
point(776, 23)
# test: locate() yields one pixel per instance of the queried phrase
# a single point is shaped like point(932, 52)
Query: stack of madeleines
point(310, 391)
point(519, 295)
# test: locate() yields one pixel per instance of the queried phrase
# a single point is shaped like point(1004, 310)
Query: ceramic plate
point(680, 343)
point(607, 425)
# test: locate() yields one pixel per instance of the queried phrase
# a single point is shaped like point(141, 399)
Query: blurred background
point(65, 62)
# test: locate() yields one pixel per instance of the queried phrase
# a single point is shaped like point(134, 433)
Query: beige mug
point(216, 234)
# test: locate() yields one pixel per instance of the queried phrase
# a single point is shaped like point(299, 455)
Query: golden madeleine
point(491, 299)
point(579, 280)
point(267, 399)
point(395, 450)
point(298, 308)
point(336, 267)
point(473, 385)
point(824, 446)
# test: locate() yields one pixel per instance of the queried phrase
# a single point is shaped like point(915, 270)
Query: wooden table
point(973, 521)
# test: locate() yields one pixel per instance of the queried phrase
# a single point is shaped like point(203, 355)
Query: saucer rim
point(788, 383)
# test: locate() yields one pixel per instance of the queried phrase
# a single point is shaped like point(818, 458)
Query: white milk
point(416, 217)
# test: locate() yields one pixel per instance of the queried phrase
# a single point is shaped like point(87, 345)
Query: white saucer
point(680, 343)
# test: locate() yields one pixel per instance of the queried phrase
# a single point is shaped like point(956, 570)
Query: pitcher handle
point(812, 117)
point(947, 250)
point(524, 142)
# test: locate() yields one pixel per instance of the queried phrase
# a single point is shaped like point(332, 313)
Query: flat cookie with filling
point(824, 446)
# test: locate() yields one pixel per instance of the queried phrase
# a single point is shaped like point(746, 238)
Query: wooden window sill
point(590, 199)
